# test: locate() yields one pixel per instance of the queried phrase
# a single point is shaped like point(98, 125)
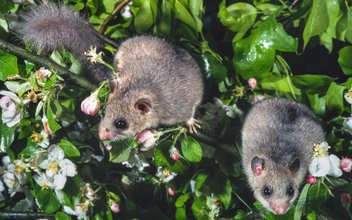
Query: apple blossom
point(147, 139)
point(137, 160)
point(347, 124)
point(346, 164)
point(324, 164)
point(165, 175)
point(91, 104)
point(12, 110)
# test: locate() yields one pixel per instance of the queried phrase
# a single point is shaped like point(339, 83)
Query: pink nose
point(104, 134)
point(280, 209)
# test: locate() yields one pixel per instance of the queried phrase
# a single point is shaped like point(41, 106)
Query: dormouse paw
point(193, 124)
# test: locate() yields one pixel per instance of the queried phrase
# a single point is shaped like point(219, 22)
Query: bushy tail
point(50, 27)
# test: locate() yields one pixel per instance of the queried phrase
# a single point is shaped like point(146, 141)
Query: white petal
point(319, 167)
point(335, 166)
point(12, 95)
point(68, 168)
point(59, 194)
point(59, 181)
point(56, 152)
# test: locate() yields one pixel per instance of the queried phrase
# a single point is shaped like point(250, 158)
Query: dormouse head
point(275, 186)
point(126, 113)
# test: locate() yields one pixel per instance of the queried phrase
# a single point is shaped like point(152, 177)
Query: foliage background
point(297, 49)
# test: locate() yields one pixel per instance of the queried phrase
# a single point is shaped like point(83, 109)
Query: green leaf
point(162, 154)
point(301, 202)
point(119, 152)
point(238, 17)
point(318, 21)
point(69, 149)
point(62, 216)
point(216, 71)
point(318, 194)
point(196, 8)
point(348, 34)
point(180, 213)
point(201, 178)
point(191, 149)
point(53, 125)
point(220, 186)
point(7, 136)
point(199, 209)
point(144, 17)
point(8, 63)
point(5, 6)
point(164, 25)
point(30, 148)
point(180, 202)
point(53, 204)
point(312, 83)
point(255, 55)
point(183, 14)
point(344, 60)
point(334, 99)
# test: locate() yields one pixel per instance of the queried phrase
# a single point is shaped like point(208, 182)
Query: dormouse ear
point(257, 166)
point(143, 106)
point(113, 84)
point(294, 165)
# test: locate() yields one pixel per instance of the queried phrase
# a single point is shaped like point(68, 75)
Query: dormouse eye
point(120, 124)
point(267, 191)
point(290, 191)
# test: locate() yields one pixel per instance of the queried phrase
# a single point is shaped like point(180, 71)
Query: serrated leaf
point(191, 149)
point(69, 149)
point(8, 63)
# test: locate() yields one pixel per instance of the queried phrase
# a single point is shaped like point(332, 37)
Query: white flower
point(231, 111)
point(165, 175)
point(12, 181)
point(56, 183)
point(347, 124)
point(324, 164)
point(126, 12)
point(57, 164)
point(12, 112)
point(348, 96)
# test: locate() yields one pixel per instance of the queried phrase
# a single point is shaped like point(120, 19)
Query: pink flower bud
point(346, 199)
point(217, 202)
point(171, 192)
point(346, 164)
point(12, 111)
point(252, 83)
point(46, 125)
point(91, 104)
point(311, 179)
point(115, 207)
point(147, 139)
point(174, 154)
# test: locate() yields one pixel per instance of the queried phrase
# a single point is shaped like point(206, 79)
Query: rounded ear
point(142, 106)
point(257, 166)
point(294, 165)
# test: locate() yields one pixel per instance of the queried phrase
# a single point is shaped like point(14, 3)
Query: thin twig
point(46, 62)
point(112, 15)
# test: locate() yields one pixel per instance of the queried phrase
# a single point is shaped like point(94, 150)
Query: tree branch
point(44, 61)
point(112, 15)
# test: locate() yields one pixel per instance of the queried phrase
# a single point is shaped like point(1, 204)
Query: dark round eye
point(290, 191)
point(267, 192)
point(120, 124)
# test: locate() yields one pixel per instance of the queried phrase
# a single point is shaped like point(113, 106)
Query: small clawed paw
point(193, 124)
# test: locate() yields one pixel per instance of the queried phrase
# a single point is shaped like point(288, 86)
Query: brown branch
point(44, 61)
point(112, 15)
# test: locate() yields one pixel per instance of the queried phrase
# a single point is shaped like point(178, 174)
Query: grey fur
point(277, 131)
point(49, 27)
point(159, 73)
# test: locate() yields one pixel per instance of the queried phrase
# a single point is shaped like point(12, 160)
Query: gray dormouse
point(278, 138)
point(157, 82)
